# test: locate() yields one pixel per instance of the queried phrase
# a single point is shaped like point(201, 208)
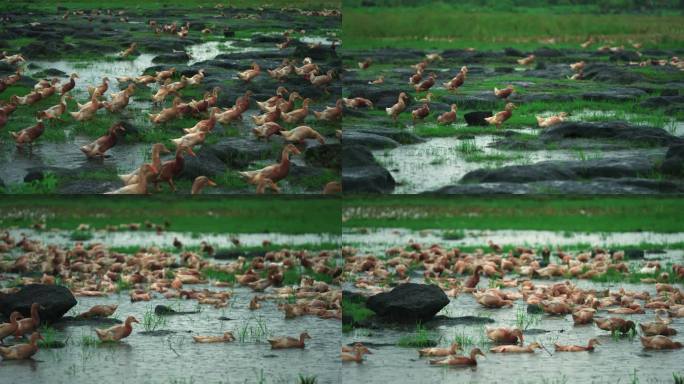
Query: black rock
point(634, 253)
point(614, 130)
point(362, 173)
point(409, 303)
point(55, 301)
point(165, 310)
point(324, 155)
point(227, 32)
point(674, 160)
point(369, 140)
point(176, 57)
point(534, 308)
point(477, 118)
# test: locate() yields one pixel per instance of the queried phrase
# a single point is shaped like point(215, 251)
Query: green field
point(612, 214)
point(448, 26)
point(160, 4)
point(198, 215)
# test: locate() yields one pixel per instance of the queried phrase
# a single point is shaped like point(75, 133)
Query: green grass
point(48, 184)
point(81, 235)
point(451, 27)
point(420, 338)
point(357, 311)
point(222, 276)
point(611, 214)
point(202, 214)
point(122, 285)
point(49, 6)
point(634, 277)
point(152, 322)
point(454, 234)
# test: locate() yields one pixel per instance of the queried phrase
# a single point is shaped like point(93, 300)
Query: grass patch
point(356, 310)
point(420, 338)
point(253, 330)
point(81, 235)
point(48, 184)
point(222, 276)
point(151, 321)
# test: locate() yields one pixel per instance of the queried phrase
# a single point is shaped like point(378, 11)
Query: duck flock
point(458, 273)
point(280, 108)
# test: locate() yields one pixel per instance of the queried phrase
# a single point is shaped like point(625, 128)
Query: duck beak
point(154, 169)
point(211, 183)
point(191, 152)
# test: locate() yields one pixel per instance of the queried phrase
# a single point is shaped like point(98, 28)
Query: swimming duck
point(527, 60)
point(99, 147)
point(225, 338)
point(448, 117)
point(172, 168)
point(199, 183)
point(398, 107)
point(458, 80)
point(128, 51)
point(249, 74)
point(8, 329)
point(439, 351)
point(545, 122)
point(504, 93)
point(473, 280)
point(139, 188)
point(330, 113)
point(515, 348)
point(297, 115)
point(204, 125)
point(56, 111)
point(577, 348)
point(659, 342)
point(502, 116)
point(254, 303)
point(27, 325)
point(459, 360)
point(70, 85)
point(30, 134)
point(365, 63)
point(576, 67)
point(99, 311)
point(301, 133)
point(22, 351)
point(505, 335)
point(267, 130)
point(120, 99)
point(157, 149)
point(98, 91)
point(555, 307)
point(657, 328)
point(614, 324)
point(357, 102)
point(190, 139)
point(289, 342)
point(117, 332)
point(425, 84)
point(275, 172)
point(583, 315)
point(357, 355)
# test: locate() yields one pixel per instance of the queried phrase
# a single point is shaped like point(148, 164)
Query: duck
point(379, 80)
point(526, 60)
point(229, 115)
point(555, 307)
point(273, 100)
point(332, 188)
point(321, 80)
point(356, 356)
point(439, 351)
point(99, 147)
point(515, 348)
point(28, 99)
point(365, 64)
point(13, 59)
point(491, 300)
point(157, 150)
point(99, 311)
point(473, 280)
point(416, 77)
point(128, 51)
point(545, 122)
point(254, 303)
point(357, 102)
point(249, 74)
point(8, 329)
point(172, 168)
point(426, 99)
point(398, 107)
point(460, 360)
point(22, 351)
point(330, 113)
point(421, 112)
point(120, 99)
point(583, 316)
point(264, 183)
point(425, 84)
point(190, 139)
point(504, 93)
point(98, 91)
point(197, 78)
point(502, 116)
point(204, 125)
point(659, 342)
point(281, 72)
point(431, 57)
point(70, 85)
point(117, 332)
point(30, 134)
point(87, 111)
point(162, 93)
point(577, 348)
point(30, 324)
point(578, 66)
point(199, 183)
point(614, 324)
point(297, 115)
point(56, 111)
point(299, 134)
point(448, 117)
point(267, 130)
point(505, 335)
point(166, 114)
point(282, 104)
point(457, 81)
point(267, 117)
point(161, 76)
point(275, 172)
point(139, 188)
point(657, 328)
point(227, 337)
point(289, 342)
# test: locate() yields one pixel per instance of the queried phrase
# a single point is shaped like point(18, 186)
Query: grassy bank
point(447, 26)
point(197, 215)
point(45, 5)
point(612, 214)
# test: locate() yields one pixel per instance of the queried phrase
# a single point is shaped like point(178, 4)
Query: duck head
point(290, 148)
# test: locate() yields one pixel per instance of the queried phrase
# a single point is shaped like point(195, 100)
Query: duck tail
point(14, 134)
point(540, 119)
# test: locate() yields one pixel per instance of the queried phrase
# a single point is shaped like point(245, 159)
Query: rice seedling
point(253, 330)
point(420, 338)
point(151, 321)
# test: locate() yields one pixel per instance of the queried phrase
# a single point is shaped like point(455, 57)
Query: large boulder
point(674, 161)
point(362, 173)
point(477, 118)
point(613, 130)
point(55, 301)
point(369, 140)
point(408, 303)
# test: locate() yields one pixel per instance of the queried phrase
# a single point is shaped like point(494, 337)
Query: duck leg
point(173, 187)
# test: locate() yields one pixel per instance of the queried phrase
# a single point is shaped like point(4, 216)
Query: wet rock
point(662, 101)
point(513, 52)
point(232, 254)
point(204, 164)
point(165, 310)
point(238, 152)
point(625, 56)
point(611, 74)
point(6, 68)
point(50, 72)
point(597, 186)
point(547, 52)
point(55, 301)
point(440, 320)
point(616, 95)
point(176, 57)
point(614, 130)
point(160, 332)
point(88, 187)
point(674, 161)
point(98, 322)
point(409, 303)
point(227, 32)
point(477, 118)
point(534, 308)
point(368, 140)
point(401, 137)
point(362, 173)
point(634, 253)
point(324, 155)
